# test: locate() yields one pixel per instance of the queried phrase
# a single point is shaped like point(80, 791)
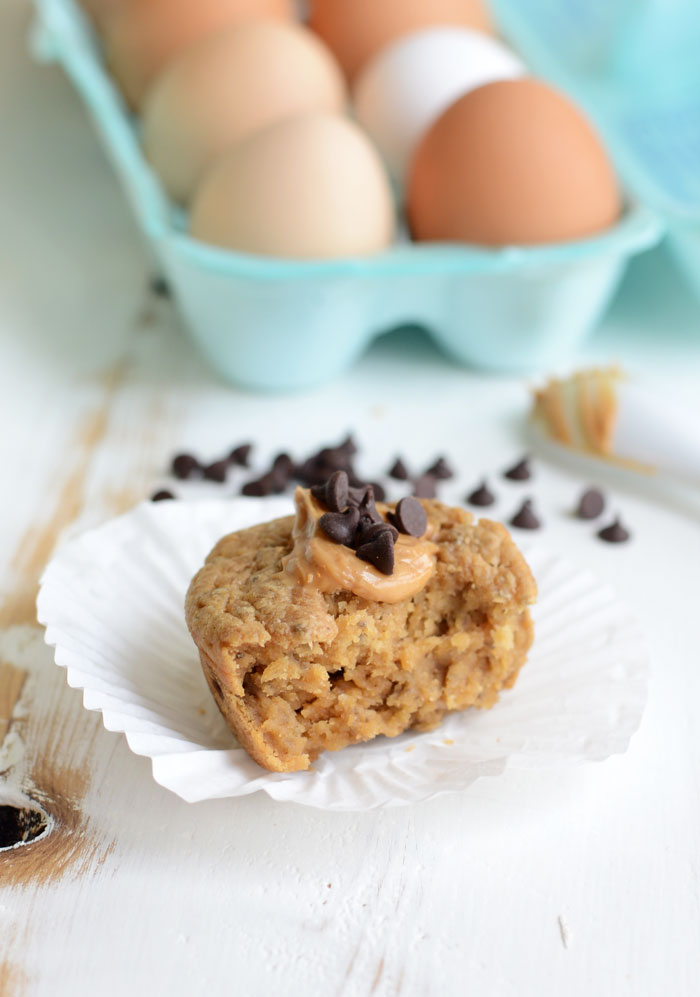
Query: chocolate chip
point(368, 531)
point(366, 505)
point(481, 496)
point(334, 493)
point(311, 472)
point(268, 484)
point(333, 457)
point(162, 496)
point(283, 467)
point(185, 466)
point(398, 470)
point(525, 518)
point(241, 455)
point(216, 471)
point(379, 552)
point(425, 487)
point(591, 504)
point(520, 471)
point(410, 517)
point(340, 526)
point(615, 533)
point(379, 491)
point(348, 446)
point(159, 286)
point(441, 470)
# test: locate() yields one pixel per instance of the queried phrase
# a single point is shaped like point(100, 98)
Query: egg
point(310, 187)
point(511, 163)
point(407, 86)
point(357, 29)
point(226, 87)
point(143, 36)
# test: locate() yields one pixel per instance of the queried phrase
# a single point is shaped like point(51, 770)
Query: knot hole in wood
point(20, 825)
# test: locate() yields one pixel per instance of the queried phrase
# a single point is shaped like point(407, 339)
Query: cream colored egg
point(405, 88)
point(143, 36)
point(311, 187)
point(229, 86)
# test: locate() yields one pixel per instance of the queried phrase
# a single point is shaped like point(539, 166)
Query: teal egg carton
point(275, 324)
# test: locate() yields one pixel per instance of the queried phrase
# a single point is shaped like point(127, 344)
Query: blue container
point(266, 323)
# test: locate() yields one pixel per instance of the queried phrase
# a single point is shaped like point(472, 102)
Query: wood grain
point(11, 684)
point(38, 541)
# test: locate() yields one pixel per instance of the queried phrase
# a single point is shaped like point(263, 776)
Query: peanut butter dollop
point(330, 567)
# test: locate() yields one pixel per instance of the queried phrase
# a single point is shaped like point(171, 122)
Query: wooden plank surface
point(565, 881)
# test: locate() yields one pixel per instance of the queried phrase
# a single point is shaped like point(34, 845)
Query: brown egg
point(356, 29)
point(310, 187)
point(143, 36)
point(228, 86)
point(511, 163)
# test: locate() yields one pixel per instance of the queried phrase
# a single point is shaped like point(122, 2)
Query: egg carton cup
point(112, 601)
point(274, 324)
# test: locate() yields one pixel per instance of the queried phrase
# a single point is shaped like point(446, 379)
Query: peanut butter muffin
point(353, 619)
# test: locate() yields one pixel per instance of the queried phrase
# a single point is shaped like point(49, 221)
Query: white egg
point(407, 86)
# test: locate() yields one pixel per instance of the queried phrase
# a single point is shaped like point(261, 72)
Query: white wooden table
point(577, 881)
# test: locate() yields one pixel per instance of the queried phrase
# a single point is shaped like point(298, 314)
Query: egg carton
point(276, 324)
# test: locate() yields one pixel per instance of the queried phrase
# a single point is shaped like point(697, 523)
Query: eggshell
point(357, 29)
point(308, 187)
point(143, 36)
point(407, 86)
point(228, 86)
point(511, 163)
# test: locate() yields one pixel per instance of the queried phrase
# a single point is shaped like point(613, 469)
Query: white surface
point(537, 883)
point(653, 431)
point(118, 591)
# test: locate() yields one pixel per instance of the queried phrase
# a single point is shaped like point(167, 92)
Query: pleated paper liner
point(112, 602)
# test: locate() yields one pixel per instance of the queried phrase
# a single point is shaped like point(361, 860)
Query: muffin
point(353, 619)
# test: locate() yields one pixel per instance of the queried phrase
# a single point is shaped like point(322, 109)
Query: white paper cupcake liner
point(112, 602)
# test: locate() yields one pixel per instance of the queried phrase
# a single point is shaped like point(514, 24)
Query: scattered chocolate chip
point(268, 484)
point(481, 496)
point(398, 470)
point(591, 504)
point(334, 493)
point(379, 552)
point(159, 286)
point(348, 446)
point(615, 533)
point(162, 496)
point(520, 471)
point(525, 518)
point(410, 517)
point(311, 472)
point(368, 531)
point(340, 526)
point(425, 487)
point(283, 467)
point(216, 471)
point(333, 457)
point(241, 455)
point(185, 466)
point(441, 470)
